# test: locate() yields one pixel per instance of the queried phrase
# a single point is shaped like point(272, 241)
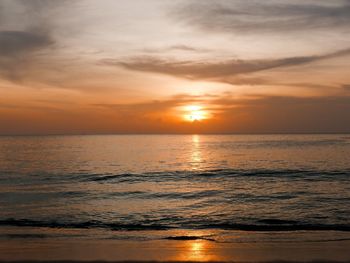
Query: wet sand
point(173, 249)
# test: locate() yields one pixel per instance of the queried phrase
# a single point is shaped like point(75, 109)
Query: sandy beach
point(33, 247)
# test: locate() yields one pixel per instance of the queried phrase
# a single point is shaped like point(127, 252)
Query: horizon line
point(126, 134)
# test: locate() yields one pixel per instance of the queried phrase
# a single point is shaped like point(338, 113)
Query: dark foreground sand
point(171, 262)
point(75, 245)
point(174, 251)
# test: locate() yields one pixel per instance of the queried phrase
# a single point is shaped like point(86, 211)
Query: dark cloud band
point(219, 71)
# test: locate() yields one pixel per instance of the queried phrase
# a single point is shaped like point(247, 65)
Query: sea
point(145, 188)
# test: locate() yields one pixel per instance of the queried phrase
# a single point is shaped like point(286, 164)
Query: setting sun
point(195, 113)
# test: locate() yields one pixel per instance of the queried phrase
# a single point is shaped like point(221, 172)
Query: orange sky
point(72, 67)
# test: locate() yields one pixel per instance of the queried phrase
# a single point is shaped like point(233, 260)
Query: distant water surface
point(260, 183)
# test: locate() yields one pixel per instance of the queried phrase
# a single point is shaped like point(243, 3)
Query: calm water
point(99, 186)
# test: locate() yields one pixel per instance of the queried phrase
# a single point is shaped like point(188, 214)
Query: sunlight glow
point(195, 113)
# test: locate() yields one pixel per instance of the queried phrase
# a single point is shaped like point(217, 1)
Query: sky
point(174, 66)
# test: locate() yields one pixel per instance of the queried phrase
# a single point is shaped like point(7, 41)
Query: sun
point(195, 113)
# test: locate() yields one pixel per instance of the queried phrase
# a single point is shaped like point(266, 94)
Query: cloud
point(29, 15)
point(23, 37)
point(154, 106)
point(183, 48)
point(16, 43)
point(187, 48)
point(18, 51)
point(218, 71)
point(264, 16)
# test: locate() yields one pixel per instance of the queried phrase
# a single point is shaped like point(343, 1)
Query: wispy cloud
point(264, 16)
point(187, 48)
point(181, 48)
point(154, 106)
point(218, 71)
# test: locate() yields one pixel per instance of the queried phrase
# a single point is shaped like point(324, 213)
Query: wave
point(81, 225)
point(180, 175)
point(216, 173)
point(282, 227)
point(188, 238)
point(261, 225)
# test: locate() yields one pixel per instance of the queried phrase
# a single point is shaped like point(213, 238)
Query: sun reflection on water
point(196, 250)
point(196, 155)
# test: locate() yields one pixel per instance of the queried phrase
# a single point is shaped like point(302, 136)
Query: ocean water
point(143, 186)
